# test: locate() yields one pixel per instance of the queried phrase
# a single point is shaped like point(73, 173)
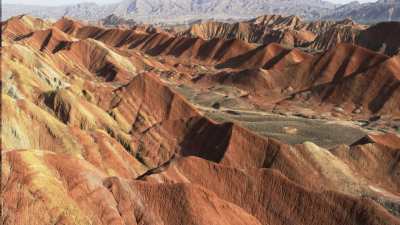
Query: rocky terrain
point(292, 31)
point(116, 21)
point(289, 31)
point(373, 39)
point(106, 124)
point(379, 11)
point(187, 11)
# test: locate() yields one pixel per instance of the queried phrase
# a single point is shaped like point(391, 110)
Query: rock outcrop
point(108, 126)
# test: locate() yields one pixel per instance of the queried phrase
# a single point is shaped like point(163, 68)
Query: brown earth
point(99, 126)
point(292, 31)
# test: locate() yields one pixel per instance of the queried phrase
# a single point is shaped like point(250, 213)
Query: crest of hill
point(18, 26)
point(89, 150)
point(374, 39)
point(68, 25)
point(192, 170)
point(50, 39)
point(322, 72)
point(162, 43)
point(288, 30)
point(327, 71)
point(344, 73)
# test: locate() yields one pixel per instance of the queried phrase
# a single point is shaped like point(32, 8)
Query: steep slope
point(274, 205)
point(162, 123)
point(101, 126)
point(332, 34)
point(379, 11)
point(95, 146)
point(99, 59)
point(163, 43)
point(48, 40)
point(19, 26)
point(372, 38)
point(285, 34)
point(290, 31)
point(68, 25)
point(346, 73)
point(265, 56)
point(78, 193)
point(377, 88)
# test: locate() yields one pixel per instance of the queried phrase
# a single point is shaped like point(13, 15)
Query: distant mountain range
point(382, 10)
point(185, 11)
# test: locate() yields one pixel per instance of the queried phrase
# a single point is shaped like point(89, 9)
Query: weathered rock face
point(371, 12)
point(18, 26)
point(289, 31)
point(114, 20)
point(372, 38)
point(161, 121)
point(285, 34)
point(282, 199)
point(345, 74)
point(95, 131)
point(78, 193)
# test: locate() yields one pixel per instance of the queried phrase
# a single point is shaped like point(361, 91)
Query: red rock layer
point(81, 122)
point(282, 202)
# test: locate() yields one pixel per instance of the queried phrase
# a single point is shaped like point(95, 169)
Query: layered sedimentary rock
point(284, 199)
point(289, 31)
point(347, 73)
point(96, 131)
point(372, 38)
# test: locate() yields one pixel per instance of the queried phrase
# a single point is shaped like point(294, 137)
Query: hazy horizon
point(62, 2)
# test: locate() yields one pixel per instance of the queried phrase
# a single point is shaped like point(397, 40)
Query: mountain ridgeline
point(230, 124)
point(185, 11)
